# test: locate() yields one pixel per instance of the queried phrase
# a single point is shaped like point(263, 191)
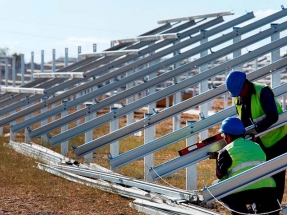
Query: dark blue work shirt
point(268, 105)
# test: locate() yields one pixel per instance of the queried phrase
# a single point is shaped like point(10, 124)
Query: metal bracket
point(109, 155)
point(201, 115)
point(213, 86)
point(28, 129)
point(73, 146)
point(174, 81)
point(155, 111)
point(144, 79)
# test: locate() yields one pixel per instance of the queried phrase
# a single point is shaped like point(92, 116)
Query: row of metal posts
point(64, 146)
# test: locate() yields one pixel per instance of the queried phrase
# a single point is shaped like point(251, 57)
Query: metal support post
point(79, 107)
point(275, 55)
point(42, 61)
point(166, 98)
point(136, 83)
point(149, 135)
point(80, 93)
point(237, 53)
point(64, 145)
point(94, 102)
point(66, 57)
point(130, 99)
point(114, 125)
point(6, 72)
point(14, 72)
point(12, 134)
point(177, 97)
point(191, 171)
point(79, 52)
point(22, 70)
point(203, 86)
point(32, 66)
point(53, 60)
point(27, 137)
point(89, 137)
point(45, 121)
point(53, 70)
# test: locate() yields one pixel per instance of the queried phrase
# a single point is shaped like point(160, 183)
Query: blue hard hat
point(233, 126)
point(235, 82)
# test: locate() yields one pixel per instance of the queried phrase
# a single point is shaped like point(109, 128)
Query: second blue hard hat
point(235, 82)
point(233, 126)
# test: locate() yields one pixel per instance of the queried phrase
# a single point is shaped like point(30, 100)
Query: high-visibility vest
point(257, 114)
point(246, 154)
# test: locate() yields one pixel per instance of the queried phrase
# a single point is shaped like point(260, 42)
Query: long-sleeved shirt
point(268, 105)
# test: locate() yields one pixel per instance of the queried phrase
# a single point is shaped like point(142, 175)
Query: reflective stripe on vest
point(244, 165)
point(258, 114)
point(245, 154)
point(259, 118)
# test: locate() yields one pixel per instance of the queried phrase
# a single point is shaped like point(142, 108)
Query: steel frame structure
point(92, 74)
point(104, 78)
point(91, 146)
point(187, 131)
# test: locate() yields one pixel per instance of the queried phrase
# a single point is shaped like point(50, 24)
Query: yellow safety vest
point(246, 154)
point(257, 113)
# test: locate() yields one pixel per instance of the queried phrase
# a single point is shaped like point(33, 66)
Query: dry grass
point(47, 193)
point(28, 190)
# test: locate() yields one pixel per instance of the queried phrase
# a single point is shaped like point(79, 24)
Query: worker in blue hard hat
point(255, 104)
point(240, 155)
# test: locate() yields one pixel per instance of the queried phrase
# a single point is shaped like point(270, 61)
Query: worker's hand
point(212, 155)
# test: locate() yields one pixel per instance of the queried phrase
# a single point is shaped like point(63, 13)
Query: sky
point(35, 25)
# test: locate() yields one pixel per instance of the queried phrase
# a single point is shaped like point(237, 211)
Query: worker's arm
point(223, 162)
point(269, 106)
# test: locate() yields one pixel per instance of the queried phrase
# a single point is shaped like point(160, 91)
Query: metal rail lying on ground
point(114, 183)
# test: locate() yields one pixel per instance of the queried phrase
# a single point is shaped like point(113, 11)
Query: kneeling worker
point(240, 155)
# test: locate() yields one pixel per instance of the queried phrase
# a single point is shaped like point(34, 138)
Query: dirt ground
point(24, 189)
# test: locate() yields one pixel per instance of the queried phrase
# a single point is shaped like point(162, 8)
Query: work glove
point(212, 155)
